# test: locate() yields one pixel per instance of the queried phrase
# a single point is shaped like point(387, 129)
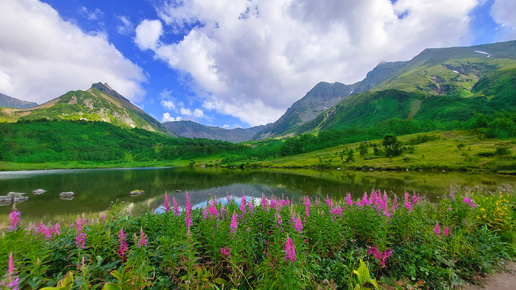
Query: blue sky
point(226, 63)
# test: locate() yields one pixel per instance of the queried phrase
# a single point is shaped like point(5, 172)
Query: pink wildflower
point(336, 211)
point(11, 280)
point(123, 244)
point(329, 202)
point(14, 218)
point(251, 206)
point(47, 231)
point(349, 201)
point(143, 239)
point(10, 269)
point(437, 229)
point(242, 205)
point(307, 206)
point(166, 203)
point(188, 218)
point(298, 225)
point(234, 223)
point(80, 240)
point(213, 208)
point(55, 229)
point(103, 217)
point(226, 251)
point(380, 256)
point(446, 231)
point(290, 251)
point(176, 206)
point(469, 201)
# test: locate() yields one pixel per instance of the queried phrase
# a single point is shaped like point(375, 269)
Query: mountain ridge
point(190, 129)
point(10, 102)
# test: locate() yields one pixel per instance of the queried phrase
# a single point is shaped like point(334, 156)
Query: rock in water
point(66, 195)
point(136, 192)
point(38, 191)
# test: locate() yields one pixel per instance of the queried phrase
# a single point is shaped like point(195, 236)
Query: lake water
point(95, 189)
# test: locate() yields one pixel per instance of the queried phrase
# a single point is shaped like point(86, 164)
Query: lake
point(95, 189)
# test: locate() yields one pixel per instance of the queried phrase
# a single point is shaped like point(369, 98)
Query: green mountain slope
point(191, 129)
point(10, 102)
point(445, 85)
point(99, 103)
point(317, 100)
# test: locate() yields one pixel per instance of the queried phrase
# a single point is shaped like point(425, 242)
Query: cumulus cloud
point(168, 118)
point(168, 104)
point(43, 56)
point(502, 13)
point(148, 33)
point(253, 59)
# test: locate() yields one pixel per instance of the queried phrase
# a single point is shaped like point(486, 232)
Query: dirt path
point(499, 281)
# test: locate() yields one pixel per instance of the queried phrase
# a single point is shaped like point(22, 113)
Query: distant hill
point(320, 98)
point(191, 129)
point(10, 102)
point(98, 103)
point(445, 85)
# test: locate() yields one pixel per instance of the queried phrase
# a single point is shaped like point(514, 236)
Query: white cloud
point(502, 13)
point(168, 118)
point(126, 27)
point(44, 56)
point(92, 15)
point(198, 113)
point(148, 33)
point(168, 104)
point(185, 112)
point(253, 59)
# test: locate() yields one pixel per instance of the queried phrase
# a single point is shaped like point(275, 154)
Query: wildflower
point(143, 240)
point(166, 203)
point(14, 218)
point(336, 211)
point(47, 230)
point(176, 206)
point(103, 217)
point(446, 231)
point(204, 213)
point(251, 206)
point(188, 218)
point(469, 201)
point(226, 251)
point(234, 223)
point(123, 244)
point(329, 202)
point(349, 201)
point(380, 256)
point(307, 206)
point(298, 225)
point(242, 205)
point(290, 251)
point(437, 229)
point(80, 240)
point(213, 208)
point(11, 280)
point(55, 229)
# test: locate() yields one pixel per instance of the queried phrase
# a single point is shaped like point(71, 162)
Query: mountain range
point(440, 84)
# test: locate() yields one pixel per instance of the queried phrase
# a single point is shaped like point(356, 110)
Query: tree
point(392, 146)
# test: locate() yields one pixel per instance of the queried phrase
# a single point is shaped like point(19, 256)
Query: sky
point(225, 63)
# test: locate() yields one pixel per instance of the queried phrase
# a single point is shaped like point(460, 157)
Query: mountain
point(10, 102)
point(321, 97)
point(191, 129)
point(444, 85)
point(98, 103)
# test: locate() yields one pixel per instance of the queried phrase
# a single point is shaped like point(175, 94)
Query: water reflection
point(95, 189)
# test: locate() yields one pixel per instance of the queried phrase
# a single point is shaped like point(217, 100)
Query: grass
point(452, 150)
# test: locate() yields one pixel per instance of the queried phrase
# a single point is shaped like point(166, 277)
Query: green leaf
point(220, 281)
point(117, 275)
point(111, 286)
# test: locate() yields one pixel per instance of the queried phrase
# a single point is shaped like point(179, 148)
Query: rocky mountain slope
point(191, 129)
point(10, 102)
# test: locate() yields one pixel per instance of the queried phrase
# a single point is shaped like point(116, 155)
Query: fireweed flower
point(290, 251)
point(437, 229)
point(213, 208)
point(349, 201)
point(188, 218)
point(123, 243)
point(166, 203)
point(242, 205)
point(446, 231)
point(11, 280)
point(226, 251)
point(55, 229)
point(14, 218)
point(143, 239)
point(80, 239)
point(251, 206)
point(298, 225)
point(176, 206)
point(307, 206)
point(380, 256)
point(329, 202)
point(469, 201)
point(234, 223)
